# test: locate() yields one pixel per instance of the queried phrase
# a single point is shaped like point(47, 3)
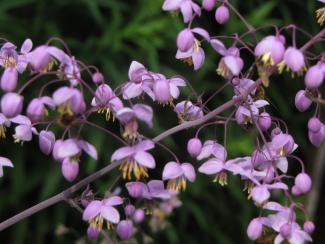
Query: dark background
point(110, 34)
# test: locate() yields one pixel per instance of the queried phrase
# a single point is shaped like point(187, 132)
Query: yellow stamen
point(3, 132)
point(178, 184)
point(130, 168)
point(320, 15)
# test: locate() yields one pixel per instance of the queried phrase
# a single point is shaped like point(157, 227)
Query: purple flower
point(128, 118)
point(106, 101)
point(302, 102)
point(99, 211)
point(165, 90)
point(270, 50)
point(255, 229)
point(293, 60)
point(302, 184)
point(264, 121)
point(209, 4)
point(69, 100)
point(9, 79)
point(187, 8)
point(212, 148)
point(222, 14)
point(72, 148)
point(39, 59)
point(195, 54)
point(230, 64)
point(4, 162)
point(70, 169)
point(261, 193)
point(124, 229)
point(194, 147)
point(293, 233)
point(178, 174)
point(140, 80)
point(46, 141)
point(36, 109)
point(188, 111)
point(11, 104)
point(24, 131)
point(314, 77)
point(246, 114)
point(135, 160)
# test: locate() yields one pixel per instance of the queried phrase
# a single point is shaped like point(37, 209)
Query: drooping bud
point(309, 227)
point(70, 169)
point(314, 125)
point(286, 230)
point(162, 91)
point(294, 58)
point(314, 77)
point(138, 215)
point(135, 189)
point(254, 229)
point(302, 102)
point(185, 40)
point(303, 182)
point(317, 138)
point(125, 229)
point(129, 210)
point(222, 14)
point(98, 78)
point(11, 104)
point(264, 121)
point(295, 191)
point(194, 147)
point(46, 141)
point(9, 79)
point(92, 233)
point(209, 5)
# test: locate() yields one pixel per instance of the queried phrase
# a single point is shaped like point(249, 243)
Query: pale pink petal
point(198, 59)
point(92, 210)
point(145, 159)
point(88, 148)
point(134, 67)
point(131, 90)
point(202, 33)
point(188, 171)
point(172, 170)
point(211, 167)
point(113, 201)
point(219, 47)
point(122, 153)
point(143, 112)
point(68, 148)
point(144, 145)
point(186, 10)
point(260, 194)
point(170, 5)
point(110, 214)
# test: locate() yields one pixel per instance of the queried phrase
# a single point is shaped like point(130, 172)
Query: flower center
point(132, 167)
point(178, 184)
point(221, 178)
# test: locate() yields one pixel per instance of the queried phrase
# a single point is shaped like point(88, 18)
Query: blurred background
point(110, 34)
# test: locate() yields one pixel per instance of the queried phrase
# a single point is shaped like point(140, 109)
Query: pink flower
point(187, 8)
point(178, 174)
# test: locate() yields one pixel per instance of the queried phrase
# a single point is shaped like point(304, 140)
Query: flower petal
point(172, 170)
point(145, 159)
point(92, 210)
point(189, 171)
point(110, 214)
point(211, 167)
point(122, 153)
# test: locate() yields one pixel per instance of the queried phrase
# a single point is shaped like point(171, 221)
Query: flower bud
point(314, 124)
point(309, 227)
point(194, 147)
point(264, 121)
point(11, 104)
point(129, 209)
point(276, 131)
point(135, 189)
point(295, 191)
point(70, 169)
point(254, 229)
point(185, 40)
point(302, 102)
point(46, 141)
point(138, 215)
point(162, 91)
point(124, 229)
point(9, 79)
point(92, 233)
point(209, 5)
point(303, 182)
point(222, 15)
point(35, 110)
point(317, 138)
point(314, 77)
point(23, 133)
point(294, 58)
point(285, 230)
point(98, 78)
